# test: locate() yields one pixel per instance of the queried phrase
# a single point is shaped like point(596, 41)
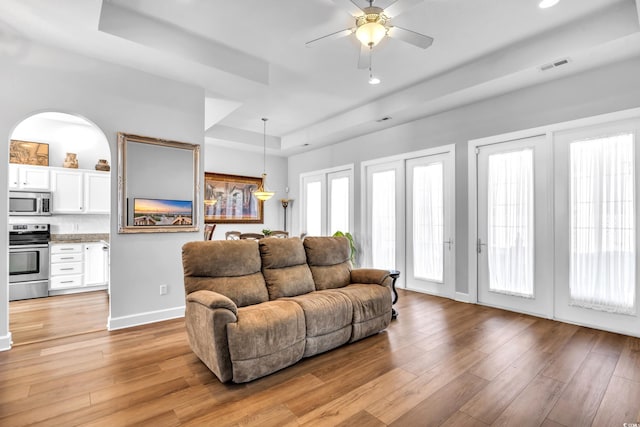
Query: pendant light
point(262, 193)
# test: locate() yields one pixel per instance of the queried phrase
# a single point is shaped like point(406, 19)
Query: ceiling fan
point(372, 24)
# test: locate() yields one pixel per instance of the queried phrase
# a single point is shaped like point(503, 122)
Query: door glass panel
point(602, 270)
point(428, 222)
point(510, 223)
point(383, 219)
point(339, 215)
point(314, 208)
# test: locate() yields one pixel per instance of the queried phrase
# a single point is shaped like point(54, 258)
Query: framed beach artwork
point(162, 212)
point(229, 199)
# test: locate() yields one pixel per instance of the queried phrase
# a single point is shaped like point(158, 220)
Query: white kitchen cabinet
point(68, 191)
point(24, 177)
point(95, 264)
point(66, 266)
point(75, 266)
point(97, 192)
point(81, 192)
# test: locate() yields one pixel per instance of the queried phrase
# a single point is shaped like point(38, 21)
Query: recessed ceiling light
point(544, 4)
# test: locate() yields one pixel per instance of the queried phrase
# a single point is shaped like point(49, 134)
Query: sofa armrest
point(371, 276)
point(212, 299)
point(207, 315)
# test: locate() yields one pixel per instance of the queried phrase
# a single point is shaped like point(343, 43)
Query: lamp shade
point(261, 193)
point(371, 33)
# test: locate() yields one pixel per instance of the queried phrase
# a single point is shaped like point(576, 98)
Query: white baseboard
point(5, 342)
point(122, 322)
point(462, 297)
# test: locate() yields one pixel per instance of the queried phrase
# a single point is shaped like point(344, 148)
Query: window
point(602, 270)
point(327, 201)
point(510, 223)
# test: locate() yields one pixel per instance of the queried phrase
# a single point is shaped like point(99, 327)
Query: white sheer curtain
point(428, 222)
point(510, 219)
point(314, 208)
point(339, 215)
point(383, 219)
point(602, 271)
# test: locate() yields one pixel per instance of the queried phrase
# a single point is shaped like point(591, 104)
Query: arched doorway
point(61, 158)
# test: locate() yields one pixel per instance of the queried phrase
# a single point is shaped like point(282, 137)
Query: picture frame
point(162, 170)
point(28, 153)
point(228, 199)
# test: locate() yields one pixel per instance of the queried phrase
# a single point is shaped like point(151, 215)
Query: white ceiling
point(251, 59)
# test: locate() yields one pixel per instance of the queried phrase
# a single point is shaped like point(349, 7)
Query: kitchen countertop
point(79, 238)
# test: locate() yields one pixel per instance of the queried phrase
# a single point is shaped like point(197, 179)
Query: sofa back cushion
point(229, 267)
point(284, 267)
point(329, 261)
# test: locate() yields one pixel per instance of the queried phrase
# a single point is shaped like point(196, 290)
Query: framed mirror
point(158, 185)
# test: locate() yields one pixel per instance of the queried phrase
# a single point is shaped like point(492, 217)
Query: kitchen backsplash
point(68, 224)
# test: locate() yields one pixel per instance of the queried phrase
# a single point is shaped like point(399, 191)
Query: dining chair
point(232, 235)
point(208, 231)
point(252, 236)
point(279, 234)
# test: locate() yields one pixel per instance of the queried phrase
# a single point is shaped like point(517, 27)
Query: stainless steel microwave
point(30, 203)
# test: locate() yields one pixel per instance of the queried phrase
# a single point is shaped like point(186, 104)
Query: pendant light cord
point(264, 145)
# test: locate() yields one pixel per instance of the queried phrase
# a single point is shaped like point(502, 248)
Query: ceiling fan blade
point(332, 36)
point(400, 6)
point(411, 37)
point(365, 57)
point(349, 6)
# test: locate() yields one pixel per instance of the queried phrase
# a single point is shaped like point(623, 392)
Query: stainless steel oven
point(28, 261)
point(30, 203)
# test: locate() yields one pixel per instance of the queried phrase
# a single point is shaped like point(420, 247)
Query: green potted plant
point(352, 245)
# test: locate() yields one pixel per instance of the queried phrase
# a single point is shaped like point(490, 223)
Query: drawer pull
point(67, 249)
point(67, 257)
point(67, 281)
point(66, 269)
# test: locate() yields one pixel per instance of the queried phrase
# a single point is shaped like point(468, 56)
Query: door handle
point(480, 245)
point(449, 243)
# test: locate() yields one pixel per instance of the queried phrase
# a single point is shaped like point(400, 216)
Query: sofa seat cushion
point(266, 338)
point(371, 308)
point(328, 317)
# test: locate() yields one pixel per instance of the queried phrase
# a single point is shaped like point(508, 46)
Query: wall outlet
point(164, 289)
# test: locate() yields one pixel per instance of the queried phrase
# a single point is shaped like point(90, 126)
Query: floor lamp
point(285, 204)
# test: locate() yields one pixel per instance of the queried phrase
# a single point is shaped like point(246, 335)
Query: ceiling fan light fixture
point(544, 4)
point(371, 33)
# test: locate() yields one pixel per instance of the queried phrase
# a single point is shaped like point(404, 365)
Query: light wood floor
point(440, 363)
point(42, 319)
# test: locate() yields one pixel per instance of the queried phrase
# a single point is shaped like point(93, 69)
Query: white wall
point(598, 91)
point(236, 162)
point(115, 99)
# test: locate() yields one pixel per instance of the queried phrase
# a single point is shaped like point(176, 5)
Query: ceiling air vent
point(555, 64)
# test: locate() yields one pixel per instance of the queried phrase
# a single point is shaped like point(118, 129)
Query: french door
point(596, 226)
point(410, 218)
point(515, 226)
point(429, 237)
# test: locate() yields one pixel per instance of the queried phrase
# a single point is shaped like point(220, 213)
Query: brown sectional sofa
point(255, 307)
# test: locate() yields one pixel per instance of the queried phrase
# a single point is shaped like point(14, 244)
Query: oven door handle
point(16, 248)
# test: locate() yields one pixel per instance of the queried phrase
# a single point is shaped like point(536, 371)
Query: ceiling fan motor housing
point(372, 26)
